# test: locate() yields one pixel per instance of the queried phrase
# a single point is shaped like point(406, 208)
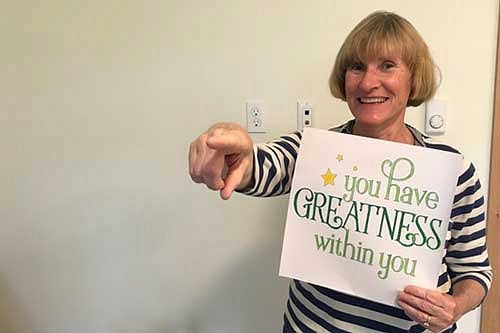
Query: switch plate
point(255, 112)
point(435, 117)
point(304, 115)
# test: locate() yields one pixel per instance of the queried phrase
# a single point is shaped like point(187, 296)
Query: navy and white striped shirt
point(314, 309)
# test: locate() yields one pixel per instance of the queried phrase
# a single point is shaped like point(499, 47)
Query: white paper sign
point(368, 217)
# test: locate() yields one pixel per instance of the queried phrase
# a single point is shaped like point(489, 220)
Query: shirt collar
point(417, 135)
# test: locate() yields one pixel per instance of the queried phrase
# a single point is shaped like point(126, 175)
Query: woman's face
point(377, 91)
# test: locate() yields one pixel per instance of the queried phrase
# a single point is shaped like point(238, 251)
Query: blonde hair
point(384, 34)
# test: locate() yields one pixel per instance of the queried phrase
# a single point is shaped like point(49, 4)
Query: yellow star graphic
point(328, 178)
point(340, 157)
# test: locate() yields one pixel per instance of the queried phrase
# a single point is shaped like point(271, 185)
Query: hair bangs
point(383, 41)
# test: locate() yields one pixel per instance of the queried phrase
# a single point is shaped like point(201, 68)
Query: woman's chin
point(369, 120)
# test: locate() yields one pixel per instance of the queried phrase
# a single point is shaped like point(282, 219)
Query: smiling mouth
point(372, 100)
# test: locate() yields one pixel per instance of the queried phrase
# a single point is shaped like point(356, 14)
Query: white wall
point(101, 228)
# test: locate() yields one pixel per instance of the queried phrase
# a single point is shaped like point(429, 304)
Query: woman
point(382, 67)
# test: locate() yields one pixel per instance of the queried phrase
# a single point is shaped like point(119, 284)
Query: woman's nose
point(370, 80)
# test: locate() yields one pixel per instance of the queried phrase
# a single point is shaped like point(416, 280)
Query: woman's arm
point(273, 166)
point(468, 295)
point(466, 258)
point(225, 159)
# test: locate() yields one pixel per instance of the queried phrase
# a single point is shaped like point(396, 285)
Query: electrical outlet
point(304, 115)
point(255, 112)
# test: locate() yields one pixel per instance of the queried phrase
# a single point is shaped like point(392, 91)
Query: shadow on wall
point(12, 317)
point(248, 297)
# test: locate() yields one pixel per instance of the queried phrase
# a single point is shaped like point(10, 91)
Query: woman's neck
point(399, 133)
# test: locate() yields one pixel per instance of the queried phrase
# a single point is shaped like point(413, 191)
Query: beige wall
point(101, 229)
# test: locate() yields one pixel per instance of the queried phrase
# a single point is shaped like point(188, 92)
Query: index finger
point(415, 291)
point(429, 295)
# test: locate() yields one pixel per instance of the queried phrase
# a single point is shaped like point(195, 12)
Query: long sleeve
point(273, 166)
point(467, 256)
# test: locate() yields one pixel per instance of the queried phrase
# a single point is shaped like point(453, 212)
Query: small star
point(328, 178)
point(340, 157)
point(355, 168)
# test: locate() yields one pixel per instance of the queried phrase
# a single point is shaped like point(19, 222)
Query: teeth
point(370, 100)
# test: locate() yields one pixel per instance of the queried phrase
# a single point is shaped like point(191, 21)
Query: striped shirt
point(314, 309)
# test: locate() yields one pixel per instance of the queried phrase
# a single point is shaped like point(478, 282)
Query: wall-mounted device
point(304, 115)
point(255, 111)
point(435, 117)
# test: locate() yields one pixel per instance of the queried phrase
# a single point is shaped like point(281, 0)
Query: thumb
point(229, 144)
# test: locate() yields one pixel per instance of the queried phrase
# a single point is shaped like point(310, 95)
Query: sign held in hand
point(368, 217)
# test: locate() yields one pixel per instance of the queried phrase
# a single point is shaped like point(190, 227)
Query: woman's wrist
point(468, 294)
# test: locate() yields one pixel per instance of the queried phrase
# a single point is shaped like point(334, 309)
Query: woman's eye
point(356, 67)
point(386, 65)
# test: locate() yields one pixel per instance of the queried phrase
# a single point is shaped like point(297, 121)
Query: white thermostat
point(435, 117)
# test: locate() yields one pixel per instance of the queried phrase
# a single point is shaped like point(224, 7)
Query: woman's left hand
point(430, 308)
